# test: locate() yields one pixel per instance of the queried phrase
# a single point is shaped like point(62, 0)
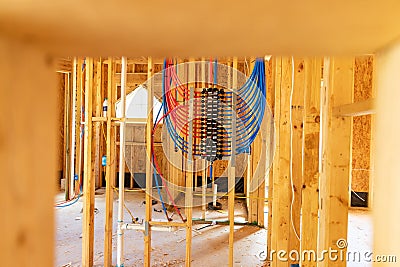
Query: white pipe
point(121, 178)
point(74, 89)
point(204, 188)
point(215, 191)
point(140, 227)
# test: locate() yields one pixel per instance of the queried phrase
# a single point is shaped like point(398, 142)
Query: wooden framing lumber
point(98, 101)
point(190, 167)
point(78, 129)
point(64, 65)
point(260, 158)
point(138, 60)
point(256, 172)
point(110, 167)
point(372, 150)
point(336, 156)
point(73, 128)
point(271, 103)
point(310, 187)
point(67, 136)
point(232, 166)
point(296, 143)
point(254, 159)
point(343, 37)
point(149, 166)
point(281, 225)
point(268, 143)
point(252, 162)
point(261, 189)
point(88, 181)
point(28, 153)
point(131, 78)
point(359, 108)
point(169, 145)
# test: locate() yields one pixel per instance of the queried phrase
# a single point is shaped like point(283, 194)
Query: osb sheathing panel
point(136, 149)
point(220, 168)
point(362, 125)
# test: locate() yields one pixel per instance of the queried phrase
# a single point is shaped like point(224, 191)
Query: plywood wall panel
point(363, 70)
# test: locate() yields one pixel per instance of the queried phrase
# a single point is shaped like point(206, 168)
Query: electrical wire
point(68, 203)
point(357, 195)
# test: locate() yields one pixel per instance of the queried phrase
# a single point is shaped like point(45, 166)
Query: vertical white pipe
point(73, 130)
point(204, 188)
point(215, 191)
point(120, 231)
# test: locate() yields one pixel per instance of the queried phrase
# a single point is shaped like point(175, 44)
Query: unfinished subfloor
point(209, 247)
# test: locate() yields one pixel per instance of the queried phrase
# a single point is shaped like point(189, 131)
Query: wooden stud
point(268, 143)
point(256, 172)
point(271, 98)
point(296, 144)
point(254, 178)
point(111, 165)
point(67, 135)
point(78, 129)
point(89, 183)
point(261, 191)
point(372, 151)
point(28, 153)
point(387, 182)
point(189, 172)
point(270, 201)
point(262, 171)
point(98, 101)
point(177, 175)
point(252, 161)
point(336, 155)
point(171, 167)
point(149, 166)
point(281, 225)
point(73, 128)
point(310, 188)
point(232, 166)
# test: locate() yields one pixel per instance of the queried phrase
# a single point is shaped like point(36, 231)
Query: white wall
point(387, 176)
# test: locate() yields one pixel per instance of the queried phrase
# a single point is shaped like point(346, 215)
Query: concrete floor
point(210, 248)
